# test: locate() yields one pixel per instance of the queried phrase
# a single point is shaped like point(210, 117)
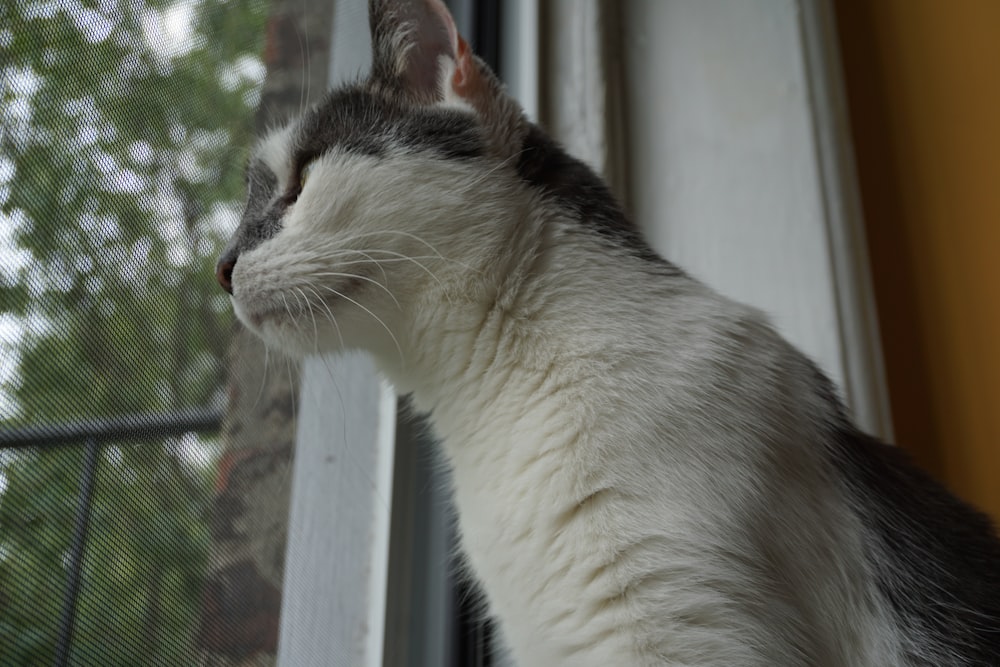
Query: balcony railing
point(93, 435)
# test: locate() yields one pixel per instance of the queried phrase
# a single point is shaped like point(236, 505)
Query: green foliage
point(123, 131)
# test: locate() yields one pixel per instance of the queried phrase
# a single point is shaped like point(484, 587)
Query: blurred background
point(124, 127)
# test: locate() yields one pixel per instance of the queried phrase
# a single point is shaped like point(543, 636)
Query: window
point(124, 126)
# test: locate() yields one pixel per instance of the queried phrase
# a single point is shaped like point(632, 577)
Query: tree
point(124, 132)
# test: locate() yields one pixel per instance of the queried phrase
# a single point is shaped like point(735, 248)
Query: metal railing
point(93, 435)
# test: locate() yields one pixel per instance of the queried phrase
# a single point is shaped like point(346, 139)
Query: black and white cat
point(645, 472)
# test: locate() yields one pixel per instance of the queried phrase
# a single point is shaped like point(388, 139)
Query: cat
point(645, 472)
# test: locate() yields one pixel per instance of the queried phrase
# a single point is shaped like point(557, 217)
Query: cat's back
point(922, 567)
point(934, 560)
point(918, 565)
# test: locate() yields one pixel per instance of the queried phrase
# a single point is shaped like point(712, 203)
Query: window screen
point(131, 510)
point(146, 440)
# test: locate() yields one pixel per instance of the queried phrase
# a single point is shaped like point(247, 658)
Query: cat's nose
point(224, 271)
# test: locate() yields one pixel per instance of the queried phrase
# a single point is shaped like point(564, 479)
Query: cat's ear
point(415, 46)
point(417, 51)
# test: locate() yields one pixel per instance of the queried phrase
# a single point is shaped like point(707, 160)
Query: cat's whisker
point(378, 232)
point(436, 252)
point(336, 251)
point(303, 310)
point(340, 242)
point(304, 54)
point(400, 258)
point(313, 316)
point(333, 319)
point(408, 258)
point(291, 316)
point(385, 276)
point(384, 288)
point(288, 311)
point(381, 260)
point(263, 379)
point(378, 319)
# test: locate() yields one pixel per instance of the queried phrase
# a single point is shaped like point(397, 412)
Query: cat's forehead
point(355, 120)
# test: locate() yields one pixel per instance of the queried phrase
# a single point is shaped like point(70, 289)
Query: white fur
point(637, 461)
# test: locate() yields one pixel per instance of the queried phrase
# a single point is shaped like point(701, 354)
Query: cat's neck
point(562, 311)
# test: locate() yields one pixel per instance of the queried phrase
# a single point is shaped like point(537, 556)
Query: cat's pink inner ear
point(464, 67)
point(467, 82)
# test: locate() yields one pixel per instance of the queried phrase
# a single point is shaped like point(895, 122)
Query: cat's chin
point(273, 326)
point(256, 319)
point(279, 332)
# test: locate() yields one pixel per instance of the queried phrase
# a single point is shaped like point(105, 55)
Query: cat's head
point(391, 189)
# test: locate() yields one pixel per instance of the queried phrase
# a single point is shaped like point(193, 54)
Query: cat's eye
point(304, 173)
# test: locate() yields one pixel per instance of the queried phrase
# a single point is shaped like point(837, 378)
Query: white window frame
point(333, 607)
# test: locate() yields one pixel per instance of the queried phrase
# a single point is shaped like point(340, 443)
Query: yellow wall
point(923, 81)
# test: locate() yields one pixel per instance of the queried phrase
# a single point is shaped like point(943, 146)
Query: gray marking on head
point(580, 192)
point(355, 120)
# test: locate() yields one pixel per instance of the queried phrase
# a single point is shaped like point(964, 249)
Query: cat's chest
point(540, 556)
point(528, 567)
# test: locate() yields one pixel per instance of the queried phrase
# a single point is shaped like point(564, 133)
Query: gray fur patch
point(358, 121)
point(575, 187)
point(933, 557)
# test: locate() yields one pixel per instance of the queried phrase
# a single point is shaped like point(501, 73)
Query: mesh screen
point(145, 442)
point(124, 127)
